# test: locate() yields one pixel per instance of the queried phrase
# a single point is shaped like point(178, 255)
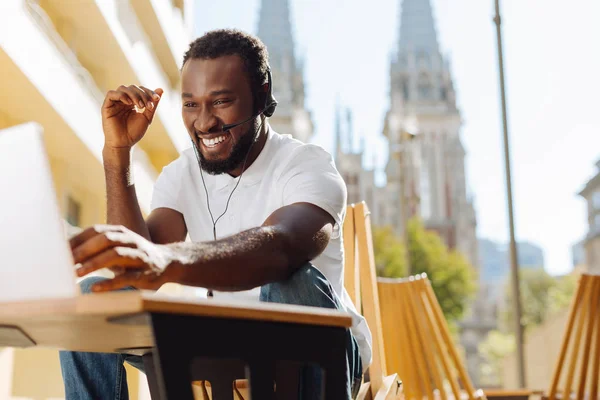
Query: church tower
point(426, 171)
point(426, 167)
point(275, 30)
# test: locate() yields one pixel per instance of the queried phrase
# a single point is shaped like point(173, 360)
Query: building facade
point(426, 167)
point(275, 30)
point(426, 163)
point(58, 59)
point(591, 194)
point(360, 182)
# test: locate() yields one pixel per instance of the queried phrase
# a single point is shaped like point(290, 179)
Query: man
point(263, 211)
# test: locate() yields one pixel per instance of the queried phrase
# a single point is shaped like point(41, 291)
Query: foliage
point(541, 296)
point(493, 349)
point(389, 253)
point(451, 276)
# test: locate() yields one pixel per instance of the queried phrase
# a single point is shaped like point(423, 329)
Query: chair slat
point(593, 310)
point(427, 338)
point(351, 270)
point(587, 290)
point(370, 304)
point(575, 307)
point(439, 342)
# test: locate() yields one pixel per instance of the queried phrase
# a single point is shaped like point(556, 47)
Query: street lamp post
point(514, 266)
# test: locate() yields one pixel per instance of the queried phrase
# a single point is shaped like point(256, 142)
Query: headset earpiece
point(270, 101)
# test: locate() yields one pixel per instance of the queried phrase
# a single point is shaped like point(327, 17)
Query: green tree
point(493, 349)
point(389, 253)
point(451, 276)
point(542, 295)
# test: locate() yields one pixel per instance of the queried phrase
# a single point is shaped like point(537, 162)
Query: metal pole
point(514, 264)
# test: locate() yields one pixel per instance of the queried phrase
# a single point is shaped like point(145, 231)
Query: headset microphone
point(228, 127)
point(268, 109)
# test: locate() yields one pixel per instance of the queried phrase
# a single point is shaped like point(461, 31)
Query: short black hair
point(226, 42)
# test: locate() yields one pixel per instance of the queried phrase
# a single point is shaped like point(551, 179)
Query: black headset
point(268, 108)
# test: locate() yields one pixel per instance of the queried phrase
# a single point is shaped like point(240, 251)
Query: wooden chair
point(578, 363)
point(418, 342)
point(360, 280)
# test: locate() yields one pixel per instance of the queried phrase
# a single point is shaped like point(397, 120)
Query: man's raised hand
point(126, 114)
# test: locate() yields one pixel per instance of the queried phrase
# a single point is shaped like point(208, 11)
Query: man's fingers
point(113, 96)
point(83, 237)
point(153, 95)
point(113, 257)
point(97, 244)
point(119, 282)
point(147, 101)
point(135, 279)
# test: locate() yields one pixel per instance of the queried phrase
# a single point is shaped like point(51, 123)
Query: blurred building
point(578, 254)
point(275, 30)
point(426, 167)
point(360, 182)
point(58, 58)
point(495, 262)
point(591, 194)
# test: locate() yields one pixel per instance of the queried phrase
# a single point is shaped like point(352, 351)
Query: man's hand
point(126, 114)
point(142, 264)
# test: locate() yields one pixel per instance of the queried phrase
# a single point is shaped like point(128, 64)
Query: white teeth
point(213, 142)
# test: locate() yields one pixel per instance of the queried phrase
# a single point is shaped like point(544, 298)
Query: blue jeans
point(102, 376)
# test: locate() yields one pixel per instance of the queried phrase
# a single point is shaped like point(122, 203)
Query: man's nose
point(206, 122)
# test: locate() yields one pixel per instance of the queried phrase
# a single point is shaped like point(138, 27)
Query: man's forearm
point(121, 200)
point(240, 262)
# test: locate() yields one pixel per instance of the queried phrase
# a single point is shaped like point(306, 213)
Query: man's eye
point(220, 101)
point(189, 104)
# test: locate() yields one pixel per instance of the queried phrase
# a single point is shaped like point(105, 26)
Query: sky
point(552, 68)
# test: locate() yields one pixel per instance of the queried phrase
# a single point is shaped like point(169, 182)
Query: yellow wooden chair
point(418, 342)
point(578, 364)
point(360, 280)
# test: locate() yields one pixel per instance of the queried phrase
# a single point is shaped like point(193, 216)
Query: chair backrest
point(579, 357)
point(419, 346)
point(360, 280)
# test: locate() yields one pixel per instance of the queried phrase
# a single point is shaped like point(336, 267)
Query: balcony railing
point(43, 21)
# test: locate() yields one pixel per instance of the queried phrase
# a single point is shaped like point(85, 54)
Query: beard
point(238, 155)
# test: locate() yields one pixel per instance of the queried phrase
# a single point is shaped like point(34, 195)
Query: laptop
point(35, 257)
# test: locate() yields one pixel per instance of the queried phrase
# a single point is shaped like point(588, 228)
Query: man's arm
point(163, 225)
point(123, 127)
point(290, 237)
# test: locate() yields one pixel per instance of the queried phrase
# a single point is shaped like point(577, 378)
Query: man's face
point(217, 92)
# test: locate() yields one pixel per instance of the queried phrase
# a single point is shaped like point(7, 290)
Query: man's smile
point(214, 143)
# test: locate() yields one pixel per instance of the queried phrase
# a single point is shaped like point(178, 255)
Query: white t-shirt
point(286, 171)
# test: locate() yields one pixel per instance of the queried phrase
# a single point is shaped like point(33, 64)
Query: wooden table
point(180, 332)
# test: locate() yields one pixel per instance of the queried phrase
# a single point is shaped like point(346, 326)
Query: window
point(424, 87)
point(596, 200)
point(596, 223)
point(73, 212)
point(426, 211)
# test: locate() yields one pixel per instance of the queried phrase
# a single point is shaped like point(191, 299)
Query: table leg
point(262, 379)
point(172, 361)
point(334, 366)
point(152, 376)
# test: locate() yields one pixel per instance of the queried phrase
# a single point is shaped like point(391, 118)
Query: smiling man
point(263, 210)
